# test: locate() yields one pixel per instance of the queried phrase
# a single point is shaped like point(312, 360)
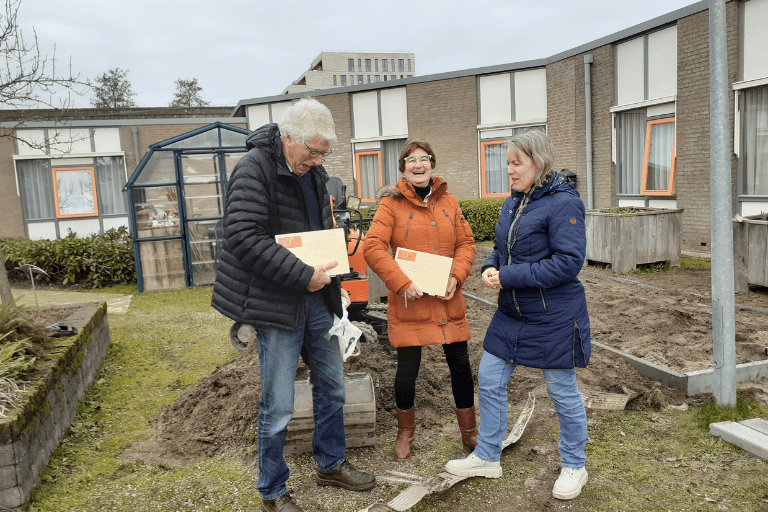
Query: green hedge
point(482, 215)
point(95, 261)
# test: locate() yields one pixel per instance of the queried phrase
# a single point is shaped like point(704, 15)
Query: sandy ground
point(663, 317)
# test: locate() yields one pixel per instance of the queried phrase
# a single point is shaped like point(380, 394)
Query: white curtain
point(630, 149)
point(660, 152)
point(390, 157)
point(36, 186)
point(755, 142)
point(496, 177)
point(110, 180)
point(369, 175)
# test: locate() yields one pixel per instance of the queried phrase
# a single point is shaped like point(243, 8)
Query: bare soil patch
point(668, 322)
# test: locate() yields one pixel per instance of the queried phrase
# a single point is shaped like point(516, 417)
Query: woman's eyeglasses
point(425, 159)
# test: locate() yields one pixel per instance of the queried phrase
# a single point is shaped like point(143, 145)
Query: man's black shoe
point(282, 504)
point(347, 477)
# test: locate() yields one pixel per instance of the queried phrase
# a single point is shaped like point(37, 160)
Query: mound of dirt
point(669, 326)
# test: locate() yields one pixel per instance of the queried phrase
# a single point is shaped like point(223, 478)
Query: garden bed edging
point(35, 428)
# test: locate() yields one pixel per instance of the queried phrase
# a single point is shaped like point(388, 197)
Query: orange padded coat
point(438, 227)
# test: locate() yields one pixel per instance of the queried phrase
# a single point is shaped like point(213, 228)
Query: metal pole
point(34, 291)
point(723, 301)
point(588, 104)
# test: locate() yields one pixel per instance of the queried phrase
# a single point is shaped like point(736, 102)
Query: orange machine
point(349, 217)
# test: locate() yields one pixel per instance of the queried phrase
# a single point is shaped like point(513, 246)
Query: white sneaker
point(473, 465)
point(569, 483)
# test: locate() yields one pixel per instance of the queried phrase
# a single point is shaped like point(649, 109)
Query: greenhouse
point(177, 195)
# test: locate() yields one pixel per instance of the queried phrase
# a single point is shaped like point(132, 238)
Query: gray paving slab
point(117, 303)
point(743, 435)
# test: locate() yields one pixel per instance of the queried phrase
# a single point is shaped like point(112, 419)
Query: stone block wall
point(35, 429)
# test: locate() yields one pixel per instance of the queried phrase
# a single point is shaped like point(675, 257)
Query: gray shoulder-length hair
point(305, 119)
point(537, 145)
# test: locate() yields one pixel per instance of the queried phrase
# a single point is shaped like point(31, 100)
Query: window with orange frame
point(368, 166)
point(493, 163)
point(74, 192)
point(659, 158)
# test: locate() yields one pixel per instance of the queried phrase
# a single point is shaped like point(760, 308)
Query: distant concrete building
point(339, 69)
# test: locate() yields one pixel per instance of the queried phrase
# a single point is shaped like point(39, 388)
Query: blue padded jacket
point(541, 320)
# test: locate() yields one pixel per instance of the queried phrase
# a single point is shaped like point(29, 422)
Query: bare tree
point(29, 80)
point(188, 94)
point(113, 90)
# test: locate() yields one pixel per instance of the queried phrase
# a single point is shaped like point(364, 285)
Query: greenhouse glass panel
point(159, 169)
point(203, 195)
point(162, 265)
point(205, 239)
point(207, 139)
point(230, 138)
point(230, 160)
point(157, 212)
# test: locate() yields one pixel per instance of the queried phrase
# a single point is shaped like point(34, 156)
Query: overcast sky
point(241, 49)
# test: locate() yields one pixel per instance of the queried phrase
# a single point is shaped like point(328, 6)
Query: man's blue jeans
point(279, 352)
point(493, 376)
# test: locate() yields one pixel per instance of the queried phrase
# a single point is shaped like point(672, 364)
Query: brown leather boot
point(282, 504)
point(406, 427)
point(468, 427)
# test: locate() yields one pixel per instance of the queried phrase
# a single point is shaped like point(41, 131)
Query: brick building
point(102, 145)
point(648, 118)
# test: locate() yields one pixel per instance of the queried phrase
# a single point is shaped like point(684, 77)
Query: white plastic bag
point(347, 334)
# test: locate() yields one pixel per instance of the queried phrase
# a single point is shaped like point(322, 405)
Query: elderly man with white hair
point(279, 187)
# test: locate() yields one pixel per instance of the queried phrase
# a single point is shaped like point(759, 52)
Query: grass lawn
point(167, 341)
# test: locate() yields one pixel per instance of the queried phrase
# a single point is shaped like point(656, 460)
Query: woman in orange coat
point(418, 213)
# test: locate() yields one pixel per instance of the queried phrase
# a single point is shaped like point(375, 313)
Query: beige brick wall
point(566, 122)
point(11, 219)
point(444, 113)
point(340, 163)
point(566, 117)
point(693, 121)
point(603, 170)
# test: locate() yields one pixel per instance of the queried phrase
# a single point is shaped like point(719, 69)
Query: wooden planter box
point(636, 236)
point(750, 252)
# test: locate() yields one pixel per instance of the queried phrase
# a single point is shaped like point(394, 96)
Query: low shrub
point(95, 261)
point(482, 215)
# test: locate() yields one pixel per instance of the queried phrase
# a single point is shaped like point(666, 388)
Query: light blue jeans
point(493, 376)
point(279, 352)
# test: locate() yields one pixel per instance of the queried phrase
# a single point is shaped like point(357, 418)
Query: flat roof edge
point(124, 122)
point(400, 82)
point(659, 21)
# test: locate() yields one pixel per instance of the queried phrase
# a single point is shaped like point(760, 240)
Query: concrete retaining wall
point(31, 432)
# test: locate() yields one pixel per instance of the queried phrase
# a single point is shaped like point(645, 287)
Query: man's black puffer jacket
point(258, 281)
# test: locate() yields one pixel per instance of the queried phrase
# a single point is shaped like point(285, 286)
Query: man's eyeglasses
point(313, 153)
point(425, 159)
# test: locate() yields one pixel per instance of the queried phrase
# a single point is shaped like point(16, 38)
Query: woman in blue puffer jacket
point(541, 320)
